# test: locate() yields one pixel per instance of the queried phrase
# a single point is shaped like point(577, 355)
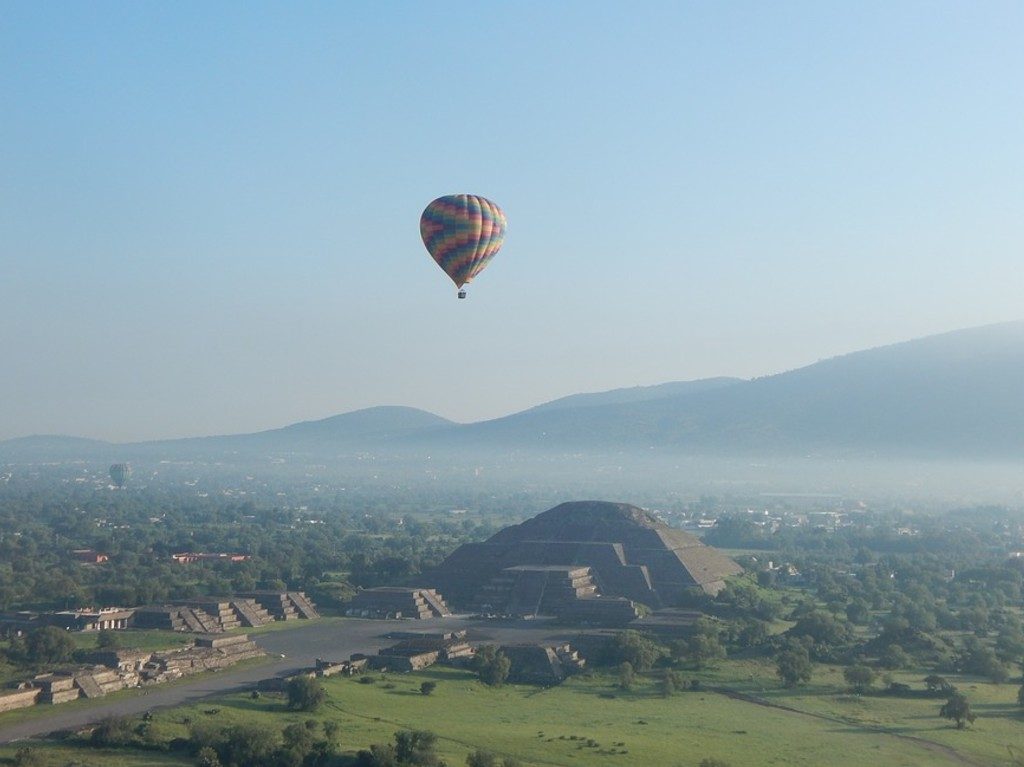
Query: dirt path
point(929, 745)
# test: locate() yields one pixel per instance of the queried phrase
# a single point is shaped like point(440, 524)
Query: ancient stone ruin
point(117, 669)
point(571, 559)
point(285, 605)
point(397, 602)
point(200, 615)
point(415, 651)
point(541, 664)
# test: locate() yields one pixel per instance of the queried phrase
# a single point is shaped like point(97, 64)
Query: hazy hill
point(50, 447)
point(636, 394)
point(956, 395)
point(384, 422)
point(368, 429)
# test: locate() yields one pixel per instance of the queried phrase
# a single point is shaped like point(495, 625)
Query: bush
point(491, 665)
point(637, 650)
point(207, 757)
point(48, 645)
point(305, 693)
point(859, 677)
point(108, 640)
point(958, 709)
point(426, 688)
point(112, 732)
point(793, 667)
point(626, 675)
point(26, 756)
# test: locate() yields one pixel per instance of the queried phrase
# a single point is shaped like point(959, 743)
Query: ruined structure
point(397, 602)
point(415, 651)
point(541, 664)
point(106, 619)
point(285, 605)
point(202, 615)
point(175, 618)
point(117, 669)
point(209, 652)
point(582, 551)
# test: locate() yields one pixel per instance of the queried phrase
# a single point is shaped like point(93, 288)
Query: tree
point(305, 693)
point(793, 667)
point(671, 682)
point(491, 665)
point(626, 675)
point(481, 758)
point(858, 611)
point(207, 757)
point(824, 629)
point(894, 656)
point(1020, 696)
point(704, 648)
point(636, 649)
point(26, 756)
point(378, 755)
point(859, 677)
point(297, 737)
point(426, 688)
point(980, 659)
point(416, 747)
point(48, 645)
point(108, 640)
point(113, 731)
point(332, 730)
point(958, 709)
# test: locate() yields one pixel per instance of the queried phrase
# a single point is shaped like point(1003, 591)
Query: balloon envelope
point(462, 232)
point(119, 473)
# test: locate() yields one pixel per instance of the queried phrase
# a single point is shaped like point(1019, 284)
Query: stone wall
point(10, 700)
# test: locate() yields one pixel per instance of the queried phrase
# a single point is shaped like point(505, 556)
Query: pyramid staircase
point(90, 687)
point(251, 614)
point(303, 605)
point(435, 602)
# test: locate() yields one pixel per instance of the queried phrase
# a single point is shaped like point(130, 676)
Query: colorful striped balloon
point(462, 232)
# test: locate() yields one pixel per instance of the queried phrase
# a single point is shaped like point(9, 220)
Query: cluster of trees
point(326, 553)
point(307, 744)
point(944, 598)
point(412, 748)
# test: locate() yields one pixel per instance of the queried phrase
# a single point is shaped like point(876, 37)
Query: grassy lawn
point(135, 639)
point(58, 755)
point(999, 727)
point(587, 721)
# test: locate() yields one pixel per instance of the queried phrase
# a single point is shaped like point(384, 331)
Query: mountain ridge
point(950, 393)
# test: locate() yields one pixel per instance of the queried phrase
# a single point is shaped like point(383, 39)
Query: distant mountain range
point(958, 394)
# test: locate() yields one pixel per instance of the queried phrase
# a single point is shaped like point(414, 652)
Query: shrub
point(859, 677)
point(305, 693)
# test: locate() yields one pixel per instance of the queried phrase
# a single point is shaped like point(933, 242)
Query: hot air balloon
point(119, 473)
point(462, 232)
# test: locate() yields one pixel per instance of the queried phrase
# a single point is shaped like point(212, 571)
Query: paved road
point(300, 646)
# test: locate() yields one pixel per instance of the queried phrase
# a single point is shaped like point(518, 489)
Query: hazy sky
point(209, 211)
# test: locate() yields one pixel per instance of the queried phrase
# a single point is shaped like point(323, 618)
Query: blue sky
point(209, 211)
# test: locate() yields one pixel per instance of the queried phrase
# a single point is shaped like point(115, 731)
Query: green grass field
point(588, 722)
